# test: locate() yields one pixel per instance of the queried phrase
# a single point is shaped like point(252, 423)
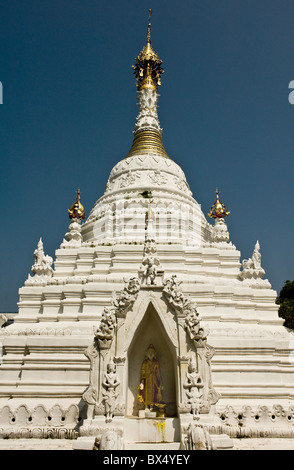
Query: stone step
point(152, 430)
point(152, 446)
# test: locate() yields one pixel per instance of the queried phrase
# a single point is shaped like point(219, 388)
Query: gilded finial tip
point(149, 27)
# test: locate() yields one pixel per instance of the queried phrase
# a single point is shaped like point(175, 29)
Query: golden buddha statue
point(150, 385)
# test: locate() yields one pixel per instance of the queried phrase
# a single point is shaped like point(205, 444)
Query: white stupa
point(147, 271)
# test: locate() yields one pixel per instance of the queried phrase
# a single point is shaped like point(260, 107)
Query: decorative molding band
point(262, 421)
point(252, 432)
point(58, 331)
point(40, 422)
point(38, 433)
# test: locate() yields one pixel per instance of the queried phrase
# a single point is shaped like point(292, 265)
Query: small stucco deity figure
point(150, 264)
point(252, 267)
point(256, 256)
point(41, 268)
point(194, 385)
point(43, 262)
point(110, 394)
point(149, 269)
point(150, 384)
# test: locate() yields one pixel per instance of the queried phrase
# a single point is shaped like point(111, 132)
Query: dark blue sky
point(70, 106)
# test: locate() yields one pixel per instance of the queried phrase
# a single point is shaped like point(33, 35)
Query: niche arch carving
point(150, 329)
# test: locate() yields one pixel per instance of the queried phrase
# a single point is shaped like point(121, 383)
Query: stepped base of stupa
point(45, 371)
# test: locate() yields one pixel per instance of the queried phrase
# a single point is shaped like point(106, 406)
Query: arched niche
point(151, 330)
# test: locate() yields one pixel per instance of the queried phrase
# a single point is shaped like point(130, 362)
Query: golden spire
point(147, 68)
point(218, 210)
point(76, 210)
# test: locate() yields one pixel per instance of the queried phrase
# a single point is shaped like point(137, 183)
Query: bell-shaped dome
point(118, 216)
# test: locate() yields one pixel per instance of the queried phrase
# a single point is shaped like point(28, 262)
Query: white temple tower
point(147, 272)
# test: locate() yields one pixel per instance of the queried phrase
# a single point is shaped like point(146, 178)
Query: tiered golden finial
point(218, 210)
point(77, 211)
point(147, 68)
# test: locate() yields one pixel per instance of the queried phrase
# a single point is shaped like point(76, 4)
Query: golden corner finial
point(218, 210)
point(76, 210)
